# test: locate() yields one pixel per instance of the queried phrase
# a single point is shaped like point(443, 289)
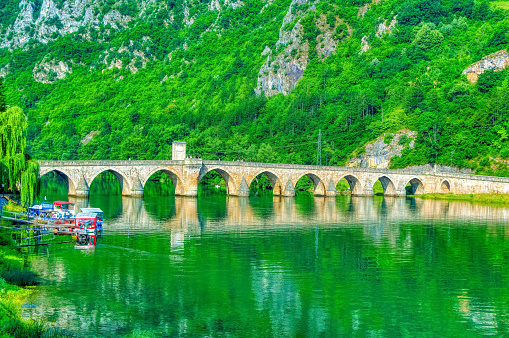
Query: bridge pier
point(82, 189)
point(243, 190)
point(137, 190)
point(289, 189)
point(331, 189)
point(189, 192)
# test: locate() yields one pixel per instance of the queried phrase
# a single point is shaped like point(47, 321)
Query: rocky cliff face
point(48, 71)
point(56, 18)
point(52, 20)
point(496, 61)
point(285, 64)
point(378, 154)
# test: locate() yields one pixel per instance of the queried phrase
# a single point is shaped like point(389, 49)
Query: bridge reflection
point(377, 216)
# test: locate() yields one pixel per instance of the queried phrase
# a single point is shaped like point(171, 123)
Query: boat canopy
point(86, 215)
point(93, 210)
point(46, 205)
point(60, 203)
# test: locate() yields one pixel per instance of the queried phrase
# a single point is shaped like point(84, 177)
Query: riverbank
point(16, 284)
point(499, 199)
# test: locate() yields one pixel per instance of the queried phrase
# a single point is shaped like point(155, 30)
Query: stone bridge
point(187, 173)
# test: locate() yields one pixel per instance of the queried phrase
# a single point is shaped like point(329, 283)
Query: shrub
point(10, 262)
point(388, 138)
point(6, 239)
point(23, 277)
point(488, 79)
point(403, 139)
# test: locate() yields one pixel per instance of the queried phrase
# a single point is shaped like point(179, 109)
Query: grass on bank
point(16, 283)
point(501, 4)
point(12, 206)
point(501, 199)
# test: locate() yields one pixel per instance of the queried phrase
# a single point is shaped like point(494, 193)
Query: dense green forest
point(188, 70)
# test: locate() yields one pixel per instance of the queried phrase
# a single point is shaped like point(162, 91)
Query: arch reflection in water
point(225, 214)
point(315, 266)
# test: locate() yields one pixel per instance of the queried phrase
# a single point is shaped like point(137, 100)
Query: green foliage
point(3, 106)
point(427, 37)
point(55, 21)
point(18, 277)
point(488, 80)
point(18, 165)
point(304, 186)
point(403, 139)
point(343, 187)
point(197, 84)
point(388, 138)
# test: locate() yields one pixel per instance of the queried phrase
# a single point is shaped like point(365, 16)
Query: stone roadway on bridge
point(186, 175)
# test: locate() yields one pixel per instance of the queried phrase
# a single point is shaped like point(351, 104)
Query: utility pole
point(319, 152)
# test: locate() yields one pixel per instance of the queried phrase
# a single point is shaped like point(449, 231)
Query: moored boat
point(84, 239)
point(86, 222)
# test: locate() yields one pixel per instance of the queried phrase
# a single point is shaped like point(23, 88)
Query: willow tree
point(18, 169)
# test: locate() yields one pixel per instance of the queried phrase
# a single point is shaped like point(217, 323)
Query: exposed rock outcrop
point(378, 154)
point(285, 66)
point(364, 9)
point(326, 43)
point(281, 71)
point(4, 71)
point(386, 28)
point(48, 71)
point(50, 21)
point(364, 45)
point(496, 61)
point(89, 137)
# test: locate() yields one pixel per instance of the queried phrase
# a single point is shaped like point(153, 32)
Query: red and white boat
point(87, 222)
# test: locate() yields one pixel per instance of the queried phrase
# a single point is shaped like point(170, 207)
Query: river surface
point(283, 267)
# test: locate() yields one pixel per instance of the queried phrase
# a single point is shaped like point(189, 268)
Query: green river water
point(282, 267)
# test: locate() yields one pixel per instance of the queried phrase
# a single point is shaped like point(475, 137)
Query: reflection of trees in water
point(263, 206)
point(304, 203)
point(162, 207)
point(53, 186)
point(111, 205)
point(105, 184)
point(213, 207)
point(212, 184)
point(159, 184)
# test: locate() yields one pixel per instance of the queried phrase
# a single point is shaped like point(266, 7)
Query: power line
point(319, 151)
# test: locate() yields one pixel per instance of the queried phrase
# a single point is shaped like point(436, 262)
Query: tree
point(2, 97)
point(427, 37)
point(430, 128)
point(487, 80)
point(19, 168)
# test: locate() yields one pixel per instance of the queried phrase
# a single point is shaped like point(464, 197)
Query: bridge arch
point(175, 178)
point(445, 187)
point(389, 189)
point(125, 186)
point(319, 188)
point(231, 185)
point(417, 187)
point(354, 183)
point(71, 185)
point(277, 187)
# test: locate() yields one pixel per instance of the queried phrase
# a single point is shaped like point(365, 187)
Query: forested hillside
point(257, 79)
